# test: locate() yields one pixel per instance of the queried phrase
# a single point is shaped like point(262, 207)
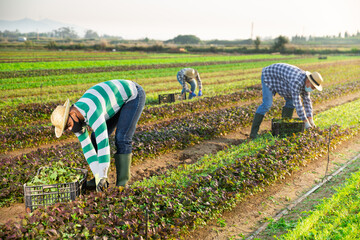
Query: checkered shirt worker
point(293, 84)
point(188, 75)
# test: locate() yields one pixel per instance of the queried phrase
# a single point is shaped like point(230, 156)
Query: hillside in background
point(27, 25)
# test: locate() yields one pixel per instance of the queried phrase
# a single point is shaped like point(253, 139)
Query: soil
point(251, 212)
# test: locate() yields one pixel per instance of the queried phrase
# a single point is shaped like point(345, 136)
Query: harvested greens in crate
point(54, 184)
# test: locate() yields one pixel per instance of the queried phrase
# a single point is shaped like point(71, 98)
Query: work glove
point(312, 122)
point(307, 125)
point(200, 93)
point(192, 94)
point(102, 185)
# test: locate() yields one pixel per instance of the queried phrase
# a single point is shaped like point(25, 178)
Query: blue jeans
point(125, 123)
point(192, 85)
point(268, 99)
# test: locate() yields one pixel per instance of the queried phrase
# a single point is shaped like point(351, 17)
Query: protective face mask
point(308, 89)
point(77, 127)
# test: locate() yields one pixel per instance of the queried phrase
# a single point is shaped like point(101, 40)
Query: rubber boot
point(91, 185)
point(258, 118)
point(287, 113)
point(122, 164)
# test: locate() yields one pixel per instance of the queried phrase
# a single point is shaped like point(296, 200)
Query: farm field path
point(187, 156)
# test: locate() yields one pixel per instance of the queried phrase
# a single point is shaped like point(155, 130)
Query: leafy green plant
point(336, 218)
point(54, 174)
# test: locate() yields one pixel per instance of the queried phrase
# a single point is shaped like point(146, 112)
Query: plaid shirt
point(185, 79)
point(289, 82)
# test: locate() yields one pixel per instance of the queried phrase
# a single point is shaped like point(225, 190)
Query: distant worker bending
point(188, 75)
point(293, 84)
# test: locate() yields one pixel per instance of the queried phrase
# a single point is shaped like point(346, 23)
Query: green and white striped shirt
point(98, 104)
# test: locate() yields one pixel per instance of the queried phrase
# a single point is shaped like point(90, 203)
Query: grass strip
point(336, 218)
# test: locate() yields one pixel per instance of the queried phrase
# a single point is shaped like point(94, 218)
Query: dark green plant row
point(14, 137)
point(146, 143)
point(16, 171)
point(166, 210)
point(151, 140)
point(24, 133)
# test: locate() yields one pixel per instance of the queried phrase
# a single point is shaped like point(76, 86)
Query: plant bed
point(284, 127)
point(54, 184)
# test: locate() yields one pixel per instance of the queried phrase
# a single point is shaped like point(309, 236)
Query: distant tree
point(65, 32)
point(257, 42)
point(51, 45)
point(280, 42)
point(186, 39)
point(11, 34)
point(114, 37)
point(91, 34)
point(28, 44)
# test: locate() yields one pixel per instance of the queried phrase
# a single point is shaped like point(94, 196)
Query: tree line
point(69, 33)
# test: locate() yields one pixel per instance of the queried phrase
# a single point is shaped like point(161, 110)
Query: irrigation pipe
point(291, 206)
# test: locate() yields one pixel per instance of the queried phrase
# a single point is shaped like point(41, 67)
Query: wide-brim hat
point(190, 73)
point(315, 79)
point(59, 117)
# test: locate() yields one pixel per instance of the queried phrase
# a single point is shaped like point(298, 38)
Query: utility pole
point(252, 30)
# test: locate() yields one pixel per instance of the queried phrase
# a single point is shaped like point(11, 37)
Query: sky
point(207, 19)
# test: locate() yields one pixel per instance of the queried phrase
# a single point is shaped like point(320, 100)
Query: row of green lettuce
point(217, 79)
point(336, 76)
point(169, 205)
point(336, 217)
point(137, 74)
point(35, 55)
point(182, 58)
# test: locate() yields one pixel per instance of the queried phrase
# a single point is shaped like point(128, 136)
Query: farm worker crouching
point(104, 107)
point(188, 75)
point(292, 83)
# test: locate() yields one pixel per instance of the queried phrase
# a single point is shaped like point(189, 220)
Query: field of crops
point(172, 202)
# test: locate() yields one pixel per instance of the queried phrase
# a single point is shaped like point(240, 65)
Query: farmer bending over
point(290, 82)
point(188, 75)
point(104, 107)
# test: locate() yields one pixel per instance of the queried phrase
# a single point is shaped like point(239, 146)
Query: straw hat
point(190, 73)
point(59, 118)
point(315, 79)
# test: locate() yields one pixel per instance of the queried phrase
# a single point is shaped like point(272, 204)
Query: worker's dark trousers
point(268, 99)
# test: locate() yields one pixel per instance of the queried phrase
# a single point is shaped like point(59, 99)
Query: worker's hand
point(311, 121)
point(193, 94)
point(200, 93)
point(307, 125)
